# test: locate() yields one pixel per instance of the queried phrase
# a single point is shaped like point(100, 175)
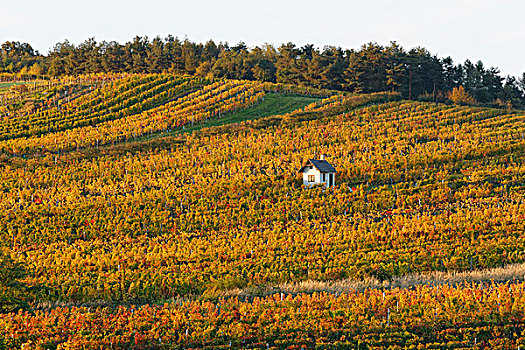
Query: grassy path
point(273, 104)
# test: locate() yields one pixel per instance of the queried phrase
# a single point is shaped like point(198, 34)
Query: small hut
point(318, 171)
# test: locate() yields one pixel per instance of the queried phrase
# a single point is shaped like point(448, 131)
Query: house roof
point(321, 165)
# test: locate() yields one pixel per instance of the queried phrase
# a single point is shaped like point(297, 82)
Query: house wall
point(318, 177)
point(328, 178)
point(313, 171)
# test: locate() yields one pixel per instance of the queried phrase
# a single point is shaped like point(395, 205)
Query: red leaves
point(428, 316)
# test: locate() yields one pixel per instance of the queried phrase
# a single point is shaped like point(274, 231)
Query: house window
point(311, 178)
point(324, 177)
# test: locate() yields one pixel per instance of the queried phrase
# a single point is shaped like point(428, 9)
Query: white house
point(318, 171)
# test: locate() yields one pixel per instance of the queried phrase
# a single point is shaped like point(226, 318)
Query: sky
point(492, 31)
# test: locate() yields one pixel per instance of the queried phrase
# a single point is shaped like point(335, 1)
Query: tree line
point(415, 73)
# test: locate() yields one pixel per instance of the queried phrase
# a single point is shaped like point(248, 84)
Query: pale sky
point(489, 30)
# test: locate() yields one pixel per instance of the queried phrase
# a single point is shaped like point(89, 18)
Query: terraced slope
point(272, 104)
point(198, 216)
point(115, 100)
point(125, 115)
point(464, 317)
point(211, 211)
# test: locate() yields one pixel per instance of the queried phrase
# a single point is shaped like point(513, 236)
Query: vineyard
point(169, 192)
point(483, 316)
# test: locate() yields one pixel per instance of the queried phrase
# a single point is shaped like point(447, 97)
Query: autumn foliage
point(124, 207)
point(459, 95)
point(477, 316)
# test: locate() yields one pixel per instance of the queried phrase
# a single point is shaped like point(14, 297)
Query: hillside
point(415, 73)
point(158, 211)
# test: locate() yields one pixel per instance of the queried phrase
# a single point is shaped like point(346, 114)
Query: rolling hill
point(161, 211)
